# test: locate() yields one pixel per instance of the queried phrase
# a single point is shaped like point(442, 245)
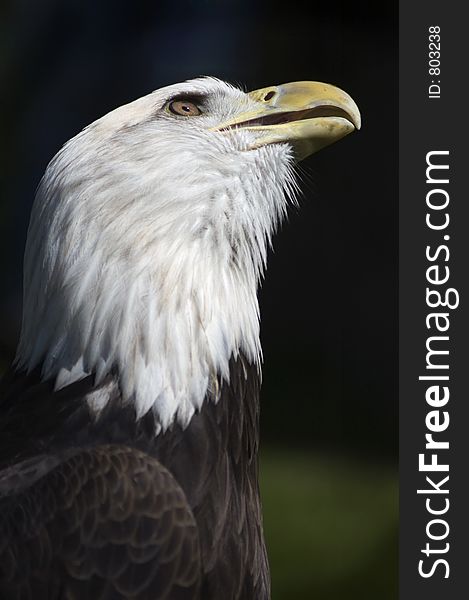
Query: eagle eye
point(184, 108)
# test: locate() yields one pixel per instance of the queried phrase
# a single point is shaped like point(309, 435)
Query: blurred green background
point(331, 526)
point(329, 301)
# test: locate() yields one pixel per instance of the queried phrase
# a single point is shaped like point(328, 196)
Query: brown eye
point(184, 108)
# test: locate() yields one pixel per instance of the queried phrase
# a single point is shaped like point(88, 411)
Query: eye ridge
point(184, 107)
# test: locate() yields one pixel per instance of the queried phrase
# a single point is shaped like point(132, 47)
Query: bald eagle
point(129, 419)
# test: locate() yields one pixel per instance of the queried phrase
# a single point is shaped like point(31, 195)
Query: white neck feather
point(127, 270)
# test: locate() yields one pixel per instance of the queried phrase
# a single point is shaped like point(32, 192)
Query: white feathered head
point(149, 234)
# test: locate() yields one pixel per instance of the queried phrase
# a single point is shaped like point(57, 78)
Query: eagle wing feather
point(108, 522)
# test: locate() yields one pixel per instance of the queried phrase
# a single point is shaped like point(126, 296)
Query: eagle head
point(149, 234)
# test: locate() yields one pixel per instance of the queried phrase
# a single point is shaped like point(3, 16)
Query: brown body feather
point(105, 509)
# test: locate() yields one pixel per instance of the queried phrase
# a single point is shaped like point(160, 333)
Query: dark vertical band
point(434, 301)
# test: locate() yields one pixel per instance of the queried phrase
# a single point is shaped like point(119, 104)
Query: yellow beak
point(307, 114)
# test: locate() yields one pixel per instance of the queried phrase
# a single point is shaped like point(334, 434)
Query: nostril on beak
point(270, 94)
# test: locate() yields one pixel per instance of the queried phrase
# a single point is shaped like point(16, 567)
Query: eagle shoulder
point(105, 522)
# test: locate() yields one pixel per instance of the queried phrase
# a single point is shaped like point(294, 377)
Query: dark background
point(329, 301)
